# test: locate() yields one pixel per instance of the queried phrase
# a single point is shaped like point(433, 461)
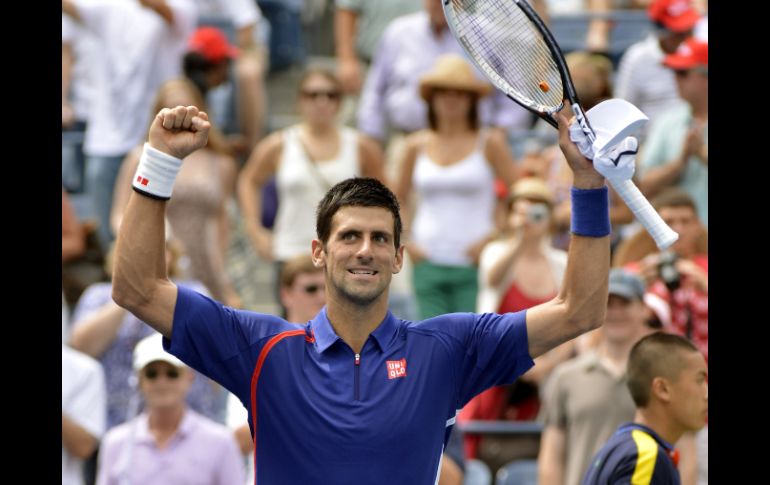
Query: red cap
point(691, 53)
point(675, 15)
point(212, 44)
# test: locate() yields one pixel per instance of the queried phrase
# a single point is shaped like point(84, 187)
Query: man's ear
point(318, 254)
point(398, 261)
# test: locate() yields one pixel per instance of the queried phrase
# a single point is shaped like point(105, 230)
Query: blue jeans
point(286, 43)
point(101, 172)
point(72, 158)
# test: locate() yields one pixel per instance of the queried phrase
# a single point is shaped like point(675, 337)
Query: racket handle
point(663, 235)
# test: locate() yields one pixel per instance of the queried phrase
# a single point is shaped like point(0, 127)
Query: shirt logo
point(141, 180)
point(396, 368)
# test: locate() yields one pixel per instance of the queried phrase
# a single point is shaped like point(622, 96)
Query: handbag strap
point(313, 164)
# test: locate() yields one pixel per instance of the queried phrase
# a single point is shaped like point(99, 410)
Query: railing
point(501, 427)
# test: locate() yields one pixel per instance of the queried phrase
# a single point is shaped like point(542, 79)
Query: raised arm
point(581, 303)
point(140, 280)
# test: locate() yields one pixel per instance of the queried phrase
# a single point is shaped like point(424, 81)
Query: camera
point(537, 212)
point(667, 270)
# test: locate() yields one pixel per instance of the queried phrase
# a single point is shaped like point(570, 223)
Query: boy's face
point(689, 393)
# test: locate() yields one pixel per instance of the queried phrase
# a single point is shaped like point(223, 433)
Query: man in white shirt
point(642, 79)
point(83, 412)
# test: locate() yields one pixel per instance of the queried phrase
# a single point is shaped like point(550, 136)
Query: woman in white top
point(307, 159)
point(451, 168)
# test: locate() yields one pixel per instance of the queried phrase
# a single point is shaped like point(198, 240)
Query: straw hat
point(453, 72)
point(531, 188)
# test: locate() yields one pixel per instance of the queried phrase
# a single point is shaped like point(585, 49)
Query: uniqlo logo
point(396, 368)
point(142, 180)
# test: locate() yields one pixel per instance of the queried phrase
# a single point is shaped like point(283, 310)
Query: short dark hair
point(659, 354)
point(195, 66)
point(295, 267)
point(674, 197)
point(356, 192)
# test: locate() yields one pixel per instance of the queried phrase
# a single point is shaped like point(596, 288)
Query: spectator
point(168, 444)
point(251, 30)
point(679, 277)
point(107, 332)
point(358, 27)
point(668, 380)
point(391, 101)
point(677, 282)
point(306, 159)
point(518, 271)
point(140, 46)
point(77, 91)
point(83, 410)
point(676, 151)
point(587, 398)
point(641, 79)
point(303, 289)
point(450, 168)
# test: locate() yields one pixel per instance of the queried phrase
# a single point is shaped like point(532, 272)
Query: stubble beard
point(361, 298)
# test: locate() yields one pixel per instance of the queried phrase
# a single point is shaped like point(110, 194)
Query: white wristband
point(156, 172)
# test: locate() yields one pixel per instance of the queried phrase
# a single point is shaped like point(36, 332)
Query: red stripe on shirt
point(255, 378)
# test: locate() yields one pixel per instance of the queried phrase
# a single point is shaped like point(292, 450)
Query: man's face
point(305, 297)
point(626, 320)
point(164, 385)
point(360, 257)
point(685, 222)
point(692, 84)
point(689, 393)
point(669, 40)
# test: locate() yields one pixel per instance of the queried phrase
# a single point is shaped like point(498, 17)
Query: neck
point(318, 129)
point(530, 246)
point(656, 420)
point(354, 323)
point(452, 127)
point(700, 110)
point(616, 354)
point(166, 420)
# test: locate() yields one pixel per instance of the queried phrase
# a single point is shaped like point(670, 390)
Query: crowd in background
point(485, 200)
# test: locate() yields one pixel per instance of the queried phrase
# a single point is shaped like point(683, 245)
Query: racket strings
point(510, 49)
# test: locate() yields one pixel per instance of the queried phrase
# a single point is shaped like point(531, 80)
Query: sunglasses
point(312, 289)
point(331, 95)
point(153, 374)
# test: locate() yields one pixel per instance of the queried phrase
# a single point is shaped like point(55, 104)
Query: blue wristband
point(590, 212)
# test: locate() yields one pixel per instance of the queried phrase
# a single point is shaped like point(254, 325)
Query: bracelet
point(590, 212)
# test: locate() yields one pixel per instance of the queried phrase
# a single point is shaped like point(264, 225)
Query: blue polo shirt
point(324, 415)
point(636, 455)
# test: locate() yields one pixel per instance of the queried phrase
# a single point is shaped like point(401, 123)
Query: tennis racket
point(514, 49)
